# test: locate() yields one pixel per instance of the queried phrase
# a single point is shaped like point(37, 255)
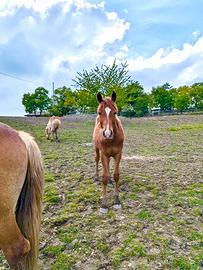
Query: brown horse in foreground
point(108, 138)
point(21, 187)
point(53, 127)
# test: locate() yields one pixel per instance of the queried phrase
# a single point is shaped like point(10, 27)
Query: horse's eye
point(115, 113)
point(99, 113)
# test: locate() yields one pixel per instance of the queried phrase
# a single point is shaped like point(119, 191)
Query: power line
point(17, 78)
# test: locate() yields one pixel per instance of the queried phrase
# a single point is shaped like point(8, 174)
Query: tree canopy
point(63, 101)
point(102, 79)
point(37, 101)
point(132, 100)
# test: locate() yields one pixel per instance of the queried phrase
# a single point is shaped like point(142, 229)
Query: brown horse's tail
point(29, 205)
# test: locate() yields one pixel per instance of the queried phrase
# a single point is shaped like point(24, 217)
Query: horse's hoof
point(103, 210)
point(117, 206)
point(96, 179)
point(110, 183)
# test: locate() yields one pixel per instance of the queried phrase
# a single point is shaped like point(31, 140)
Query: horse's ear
point(99, 97)
point(113, 96)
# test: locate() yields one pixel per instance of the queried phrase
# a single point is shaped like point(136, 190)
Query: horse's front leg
point(96, 178)
point(105, 177)
point(117, 203)
point(57, 135)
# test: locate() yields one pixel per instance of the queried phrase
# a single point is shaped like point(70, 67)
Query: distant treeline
point(132, 99)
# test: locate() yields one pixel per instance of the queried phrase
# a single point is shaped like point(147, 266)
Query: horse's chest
point(111, 150)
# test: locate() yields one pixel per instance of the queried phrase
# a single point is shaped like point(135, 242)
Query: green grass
point(128, 249)
point(53, 251)
point(144, 214)
point(52, 194)
point(49, 177)
point(63, 262)
point(183, 263)
point(159, 226)
point(186, 127)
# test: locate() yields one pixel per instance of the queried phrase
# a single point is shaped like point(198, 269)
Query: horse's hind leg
point(52, 136)
point(117, 203)
point(13, 243)
point(58, 135)
point(97, 157)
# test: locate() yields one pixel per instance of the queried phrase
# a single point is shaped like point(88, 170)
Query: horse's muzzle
point(108, 134)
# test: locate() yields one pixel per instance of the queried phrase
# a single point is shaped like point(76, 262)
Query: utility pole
point(53, 91)
point(53, 95)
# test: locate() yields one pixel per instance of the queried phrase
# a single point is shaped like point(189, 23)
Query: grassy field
point(161, 188)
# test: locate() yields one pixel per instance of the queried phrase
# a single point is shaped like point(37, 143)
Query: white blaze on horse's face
point(107, 132)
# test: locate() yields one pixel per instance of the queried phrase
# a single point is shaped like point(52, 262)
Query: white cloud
point(8, 7)
point(196, 34)
point(192, 73)
point(84, 4)
point(176, 66)
point(112, 32)
point(164, 57)
point(111, 16)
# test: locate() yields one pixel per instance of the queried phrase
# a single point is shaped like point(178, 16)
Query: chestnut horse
point(108, 138)
point(21, 187)
point(53, 128)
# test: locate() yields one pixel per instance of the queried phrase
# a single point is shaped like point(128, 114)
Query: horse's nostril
point(111, 134)
point(104, 134)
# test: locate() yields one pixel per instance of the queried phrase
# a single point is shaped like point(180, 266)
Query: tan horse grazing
point(108, 138)
point(21, 187)
point(53, 127)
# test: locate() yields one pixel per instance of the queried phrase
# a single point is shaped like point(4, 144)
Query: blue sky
point(42, 41)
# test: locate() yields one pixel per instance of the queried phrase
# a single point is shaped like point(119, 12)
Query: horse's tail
point(29, 205)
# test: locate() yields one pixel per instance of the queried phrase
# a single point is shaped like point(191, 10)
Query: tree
point(133, 91)
point(196, 94)
point(29, 103)
point(182, 99)
point(104, 79)
point(163, 96)
point(39, 100)
point(63, 101)
point(42, 99)
point(141, 105)
point(85, 101)
point(135, 99)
